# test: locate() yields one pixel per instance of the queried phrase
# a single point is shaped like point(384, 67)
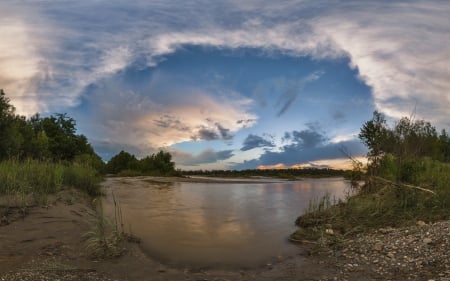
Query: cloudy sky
point(227, 84)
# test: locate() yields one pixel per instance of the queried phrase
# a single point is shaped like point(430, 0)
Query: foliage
point(408, 180)
point(409, 139)
point(50, 138)
point(43, 177)
point(30, 177)
point(82, 177)
point(122, 161)
point(103, 240)
point(279, 173)
point(125, 164)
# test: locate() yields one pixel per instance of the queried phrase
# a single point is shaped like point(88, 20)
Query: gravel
point(420, 252)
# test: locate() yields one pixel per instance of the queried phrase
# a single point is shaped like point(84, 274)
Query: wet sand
point(45, 243)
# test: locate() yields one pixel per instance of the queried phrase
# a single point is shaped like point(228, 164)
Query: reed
point(42, 178)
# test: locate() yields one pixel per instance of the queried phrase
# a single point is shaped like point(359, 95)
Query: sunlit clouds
point(227, 82)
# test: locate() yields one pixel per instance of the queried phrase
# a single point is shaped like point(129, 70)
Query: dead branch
point(402, 184)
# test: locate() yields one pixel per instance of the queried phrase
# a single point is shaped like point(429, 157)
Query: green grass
point(380, 204)
point(39, 178)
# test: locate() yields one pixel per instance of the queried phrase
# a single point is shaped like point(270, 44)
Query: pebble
point(399, 253)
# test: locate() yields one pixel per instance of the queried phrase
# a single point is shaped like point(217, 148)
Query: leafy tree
point(399, 150)
point(157, 164)
point(120, 162)
point(375, 135)
point(63, 143)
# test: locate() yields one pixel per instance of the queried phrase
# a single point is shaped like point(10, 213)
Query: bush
point(43, 178)
point(83, 177)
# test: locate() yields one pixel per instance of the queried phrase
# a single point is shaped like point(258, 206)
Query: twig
point(403, 184)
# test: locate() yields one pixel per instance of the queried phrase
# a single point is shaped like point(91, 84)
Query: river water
point(232, 224)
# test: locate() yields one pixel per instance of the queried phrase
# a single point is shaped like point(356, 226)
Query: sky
point(228, 84)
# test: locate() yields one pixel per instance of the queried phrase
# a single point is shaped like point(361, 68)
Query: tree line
point(126, 164)
point(42, 138)
point(278, 173)
point(55, 139)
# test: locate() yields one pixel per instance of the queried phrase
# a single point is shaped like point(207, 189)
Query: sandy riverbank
point(46, 244)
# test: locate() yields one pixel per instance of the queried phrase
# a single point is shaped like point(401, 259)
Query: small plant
point(104, 239)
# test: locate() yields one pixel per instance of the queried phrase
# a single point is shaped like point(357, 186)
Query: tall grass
point(44, 178)
point(380, 204)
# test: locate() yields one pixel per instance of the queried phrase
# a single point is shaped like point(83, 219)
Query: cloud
point(160, 114)
point(56, 51)
point(254, 141)
point(306, 146)
point(401, 50)
point(205, 157)
point(213, 133)
point(292, 92)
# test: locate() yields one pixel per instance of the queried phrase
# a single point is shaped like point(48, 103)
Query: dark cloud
point(287, 98)
point(224, 132)
point(246, 123)
point(207, 133)
point(287, 136)
point(307, 139)
point(205, 157)
point(254, 141)
point(293, 90)
point(171, 122)
point(295, 154)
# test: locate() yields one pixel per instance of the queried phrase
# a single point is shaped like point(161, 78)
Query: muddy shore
point(45, 243)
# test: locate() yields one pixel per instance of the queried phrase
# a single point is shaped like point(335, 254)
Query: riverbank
point(44, 243)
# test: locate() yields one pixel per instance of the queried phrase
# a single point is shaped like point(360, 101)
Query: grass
point(380, 204)
point(39, 179)
point(104, 239)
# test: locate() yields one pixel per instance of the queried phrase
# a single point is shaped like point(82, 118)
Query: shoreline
point(46, 244)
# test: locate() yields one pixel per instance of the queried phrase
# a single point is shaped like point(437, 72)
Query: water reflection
point(216, 224)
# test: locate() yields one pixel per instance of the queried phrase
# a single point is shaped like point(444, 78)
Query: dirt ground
point(45, 243)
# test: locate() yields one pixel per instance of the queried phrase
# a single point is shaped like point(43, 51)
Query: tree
point(157, 164)
point(63, 142)
point(375, 135)
point(122, 161)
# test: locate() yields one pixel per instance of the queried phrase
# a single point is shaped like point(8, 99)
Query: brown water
point(216, 224)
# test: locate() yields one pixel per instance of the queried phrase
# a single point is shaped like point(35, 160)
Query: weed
point(104, 239)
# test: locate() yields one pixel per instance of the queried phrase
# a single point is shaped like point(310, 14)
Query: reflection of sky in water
point(227, 224)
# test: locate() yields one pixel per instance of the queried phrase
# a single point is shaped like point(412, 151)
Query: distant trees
point(277, 173)
point(159, 164)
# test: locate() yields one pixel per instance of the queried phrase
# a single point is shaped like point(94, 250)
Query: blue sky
point(228, 84)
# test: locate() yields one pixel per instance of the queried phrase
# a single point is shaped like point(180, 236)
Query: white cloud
point(400, 49)
point(162, 115)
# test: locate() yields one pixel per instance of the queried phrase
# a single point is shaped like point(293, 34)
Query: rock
point(386, 230)
point(377, 247)
point(421, 223)
point(427, 241)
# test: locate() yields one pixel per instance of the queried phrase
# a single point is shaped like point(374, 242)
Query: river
point(226, 224)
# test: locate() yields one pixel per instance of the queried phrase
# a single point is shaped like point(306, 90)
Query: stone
point(421, 223)
point(427, 240)
point(377, 247)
